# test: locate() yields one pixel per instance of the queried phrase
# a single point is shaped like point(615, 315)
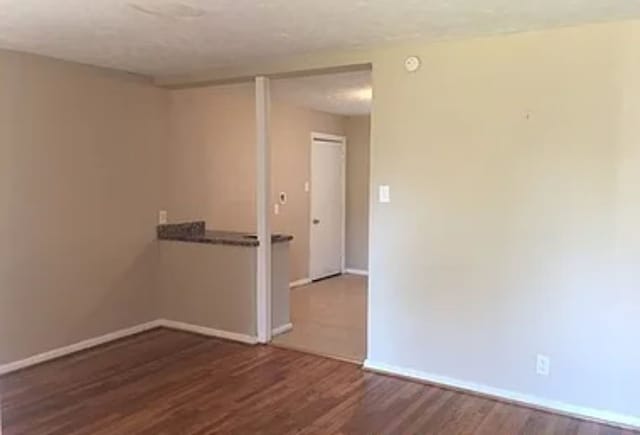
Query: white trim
point(123, 333)
point(342, 140)
point(300, 282)
point(327, 137)
point(209, 332)
point(344, 205)
point(77, 347)
point(597, 415)
point(357, 271)
point(263, 210)
point(282, 329)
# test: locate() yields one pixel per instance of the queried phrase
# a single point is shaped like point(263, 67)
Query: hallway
point(329, 318)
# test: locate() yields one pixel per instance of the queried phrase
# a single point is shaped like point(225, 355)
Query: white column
point(263, 195)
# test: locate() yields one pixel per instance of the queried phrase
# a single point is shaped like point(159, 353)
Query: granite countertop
point(196, 232)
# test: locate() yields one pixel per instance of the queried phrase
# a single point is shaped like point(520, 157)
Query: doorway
point(327, 229)
point(320, 126)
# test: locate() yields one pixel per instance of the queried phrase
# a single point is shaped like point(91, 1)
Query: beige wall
point(291, 129)
point(514, 166)
point(212, 154)
point(357, 129)
point(89, 156)
point(81, 163)
point(280, 291)
point(213, 286)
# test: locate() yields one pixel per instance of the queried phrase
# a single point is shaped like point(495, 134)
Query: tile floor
point(329, 318)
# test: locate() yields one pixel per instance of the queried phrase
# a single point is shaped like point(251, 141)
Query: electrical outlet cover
point(162, 217)
point(543, 365)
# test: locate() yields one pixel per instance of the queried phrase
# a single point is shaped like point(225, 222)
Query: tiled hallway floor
point(329, 318)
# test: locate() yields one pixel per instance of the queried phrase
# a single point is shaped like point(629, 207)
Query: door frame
point(342, 141)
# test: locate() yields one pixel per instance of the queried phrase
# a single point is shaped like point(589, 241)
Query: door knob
point(316, 221)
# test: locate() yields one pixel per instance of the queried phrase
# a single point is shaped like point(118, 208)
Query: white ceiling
point(161, 37)
point(342, 94)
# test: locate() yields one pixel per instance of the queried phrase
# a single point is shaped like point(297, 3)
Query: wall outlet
point(162, 217)
point(543, 365)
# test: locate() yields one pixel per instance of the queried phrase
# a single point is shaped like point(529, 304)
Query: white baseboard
point(210, 332)
point(300, 282)
point(122, 333)
point(357, 272)
point(77, 347)
point(597, 415)
point(282, 329)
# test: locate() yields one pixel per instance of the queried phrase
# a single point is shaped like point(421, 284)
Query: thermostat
point(412, 63)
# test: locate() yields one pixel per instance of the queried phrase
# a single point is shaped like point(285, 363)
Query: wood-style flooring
point(329, 318)
point(169, 382)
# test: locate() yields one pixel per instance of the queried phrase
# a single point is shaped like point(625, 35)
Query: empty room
point(319, 217)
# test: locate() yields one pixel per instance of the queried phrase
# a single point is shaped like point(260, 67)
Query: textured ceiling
point(341, 94)
point(161, 37)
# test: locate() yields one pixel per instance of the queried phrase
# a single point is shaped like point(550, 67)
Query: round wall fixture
point(412, 63)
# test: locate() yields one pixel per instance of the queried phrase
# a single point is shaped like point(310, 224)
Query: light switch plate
point(384, 193)
point(162, 217)
point(276, 209)
point(306, 186)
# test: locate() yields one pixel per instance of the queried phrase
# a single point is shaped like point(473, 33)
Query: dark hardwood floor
point(168, 382)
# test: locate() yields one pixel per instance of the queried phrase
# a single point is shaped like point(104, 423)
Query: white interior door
point(327, 206)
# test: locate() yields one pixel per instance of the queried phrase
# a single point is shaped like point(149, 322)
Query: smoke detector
point(412, 63)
